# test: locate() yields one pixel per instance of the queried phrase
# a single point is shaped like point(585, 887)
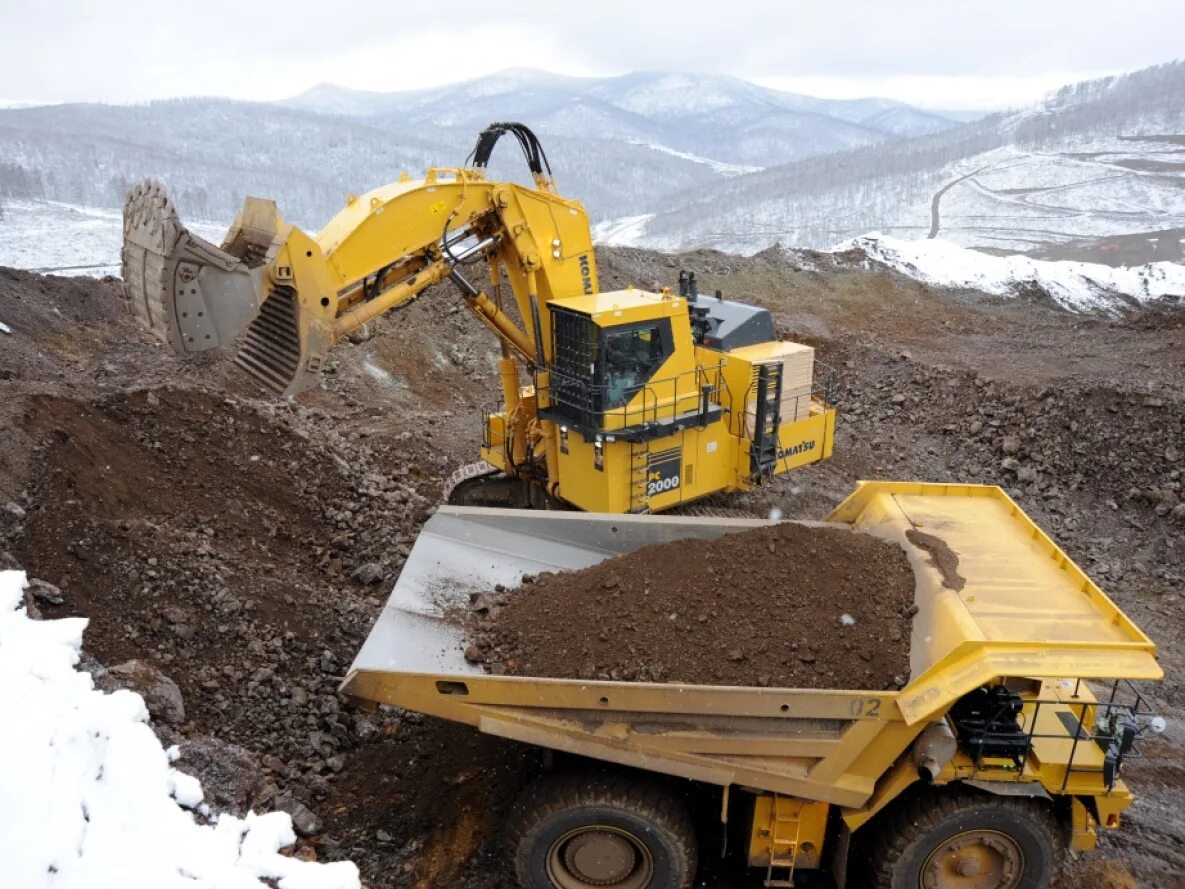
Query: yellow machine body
point(1017, 614)
point(682, 435)
point(614, 402)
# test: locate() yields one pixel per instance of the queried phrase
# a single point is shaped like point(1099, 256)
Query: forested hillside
point(680, 155)
point(621, 145)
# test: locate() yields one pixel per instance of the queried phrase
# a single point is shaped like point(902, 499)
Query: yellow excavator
point(619, 401)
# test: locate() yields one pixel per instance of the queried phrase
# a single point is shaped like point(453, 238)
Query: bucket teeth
point(151, 230)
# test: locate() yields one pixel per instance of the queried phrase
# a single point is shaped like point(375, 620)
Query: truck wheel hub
point(977, 859)
point(600, 856)
point(968, 866)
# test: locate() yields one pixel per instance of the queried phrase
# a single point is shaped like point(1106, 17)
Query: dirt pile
point(241, 545)
point(116, 457)
point(1105, 875)
point(242, 548)
point(789, 606)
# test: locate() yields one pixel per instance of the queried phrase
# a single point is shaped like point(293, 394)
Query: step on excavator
point(625, 401)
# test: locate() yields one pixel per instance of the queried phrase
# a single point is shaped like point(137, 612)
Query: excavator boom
point(292, 296)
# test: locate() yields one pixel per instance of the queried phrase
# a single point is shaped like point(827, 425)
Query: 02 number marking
point(865, 707)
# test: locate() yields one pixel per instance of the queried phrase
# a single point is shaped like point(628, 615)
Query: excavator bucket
point(196, 296)
point(191, 294)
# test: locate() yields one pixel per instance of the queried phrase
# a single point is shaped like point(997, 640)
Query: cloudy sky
point(938, 53)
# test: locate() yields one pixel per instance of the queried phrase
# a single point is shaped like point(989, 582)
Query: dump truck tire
point(966, 840)
point(585, 832)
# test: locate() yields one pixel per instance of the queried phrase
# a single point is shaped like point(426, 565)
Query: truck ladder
point(787, 823)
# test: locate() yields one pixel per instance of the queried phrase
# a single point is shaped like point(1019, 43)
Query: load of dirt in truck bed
point(788, 605)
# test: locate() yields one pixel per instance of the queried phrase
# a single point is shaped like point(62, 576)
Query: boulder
point(45, 592)
point(161, 694)
point(304, 820)
point(369, 573)
point(230, 775)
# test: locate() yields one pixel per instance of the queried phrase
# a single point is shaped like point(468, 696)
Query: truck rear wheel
point(579, 832)
point(969, 841)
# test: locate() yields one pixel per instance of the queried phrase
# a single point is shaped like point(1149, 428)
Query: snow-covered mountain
point(662, 160)
point(622, 145)
point(1095, 160)
point(213, 152)
point(722, 118)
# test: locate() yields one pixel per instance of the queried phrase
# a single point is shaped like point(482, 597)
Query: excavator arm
point(288, 297)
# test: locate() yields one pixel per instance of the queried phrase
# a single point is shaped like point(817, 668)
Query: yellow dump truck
point(1003, 749)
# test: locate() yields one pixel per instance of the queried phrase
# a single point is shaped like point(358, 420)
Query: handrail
point(1104, 713)
point(654, 407)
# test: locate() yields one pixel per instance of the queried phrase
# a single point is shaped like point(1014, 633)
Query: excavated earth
point(241, 545)
point(790, 606)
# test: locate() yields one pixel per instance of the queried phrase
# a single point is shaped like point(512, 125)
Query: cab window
point(631, 355)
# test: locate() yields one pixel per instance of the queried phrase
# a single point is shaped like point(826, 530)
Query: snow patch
point(67, 239)
point(381, 375)
point(90, 800)
point(724, 169)
point(628, 231)
point(1077, 286)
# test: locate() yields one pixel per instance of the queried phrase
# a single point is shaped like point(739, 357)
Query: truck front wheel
point(584, 832)
point(969, 841)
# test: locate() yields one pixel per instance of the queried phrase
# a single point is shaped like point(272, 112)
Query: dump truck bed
point(995, 598)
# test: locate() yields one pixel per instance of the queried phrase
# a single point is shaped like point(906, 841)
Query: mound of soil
point(788, 605)
point(116, 457)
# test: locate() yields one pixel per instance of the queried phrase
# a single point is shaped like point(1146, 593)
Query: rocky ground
point(232, 549)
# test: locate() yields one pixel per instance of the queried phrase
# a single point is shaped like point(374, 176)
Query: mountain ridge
point(683, 111)
point(619, 144)
point(1096, 158)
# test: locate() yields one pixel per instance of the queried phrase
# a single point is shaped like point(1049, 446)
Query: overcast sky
point(938, 53)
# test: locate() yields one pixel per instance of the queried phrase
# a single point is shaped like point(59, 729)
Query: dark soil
point(791, 606)
point(114, 453)
point(942, 557)
point(422, 804)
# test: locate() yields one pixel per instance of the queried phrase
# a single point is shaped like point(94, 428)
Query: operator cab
point(617, 365)
point(599, 368)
